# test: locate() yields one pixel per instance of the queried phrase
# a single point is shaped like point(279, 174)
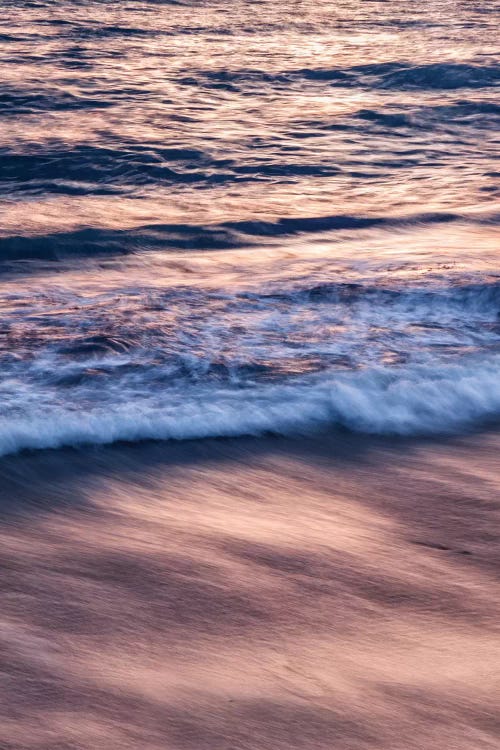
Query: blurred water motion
point(255, 594)
point(224, 218)
point(227, 218)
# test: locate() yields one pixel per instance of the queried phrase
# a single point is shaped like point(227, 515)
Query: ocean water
point(227, 218)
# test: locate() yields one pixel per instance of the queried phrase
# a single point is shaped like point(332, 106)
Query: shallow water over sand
point(268, 594)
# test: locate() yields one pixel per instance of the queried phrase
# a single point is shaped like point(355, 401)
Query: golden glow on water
point(160, 88)
point(223, 218)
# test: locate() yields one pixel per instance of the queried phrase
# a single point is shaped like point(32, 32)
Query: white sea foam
point(418, 400)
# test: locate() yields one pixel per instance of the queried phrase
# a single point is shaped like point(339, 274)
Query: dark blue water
point(229, 218)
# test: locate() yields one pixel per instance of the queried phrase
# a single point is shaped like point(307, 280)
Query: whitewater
point(218, 221)
point(249, 375)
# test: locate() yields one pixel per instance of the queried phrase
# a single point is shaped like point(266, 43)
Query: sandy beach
point(331, 593)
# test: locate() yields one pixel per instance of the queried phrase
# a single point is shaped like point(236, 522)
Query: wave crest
point(417, 401)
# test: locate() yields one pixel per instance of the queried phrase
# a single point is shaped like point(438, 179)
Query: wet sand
point(332, 593)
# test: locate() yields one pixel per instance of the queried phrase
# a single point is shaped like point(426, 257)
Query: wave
point(421, 301)
point(20, 102)
point(94, 169)
point(399, 75)
point(226, 235)
point(418, 401)
point(462, 113)
point(441, 76)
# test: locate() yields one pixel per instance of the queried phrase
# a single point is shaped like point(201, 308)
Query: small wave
point(442, 76)
point(227, 235)
point(401, 75)
point(472, 297)
point(20, 102)
point(389, 75)
point(96, 168)
point(418, 401)
point(478, 114)
point(101, 31)
point(90, 242)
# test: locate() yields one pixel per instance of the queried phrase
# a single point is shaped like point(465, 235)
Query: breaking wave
point(350, 153)
point(412, 401)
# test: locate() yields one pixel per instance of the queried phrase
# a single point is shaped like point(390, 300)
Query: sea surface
point(234, 218)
